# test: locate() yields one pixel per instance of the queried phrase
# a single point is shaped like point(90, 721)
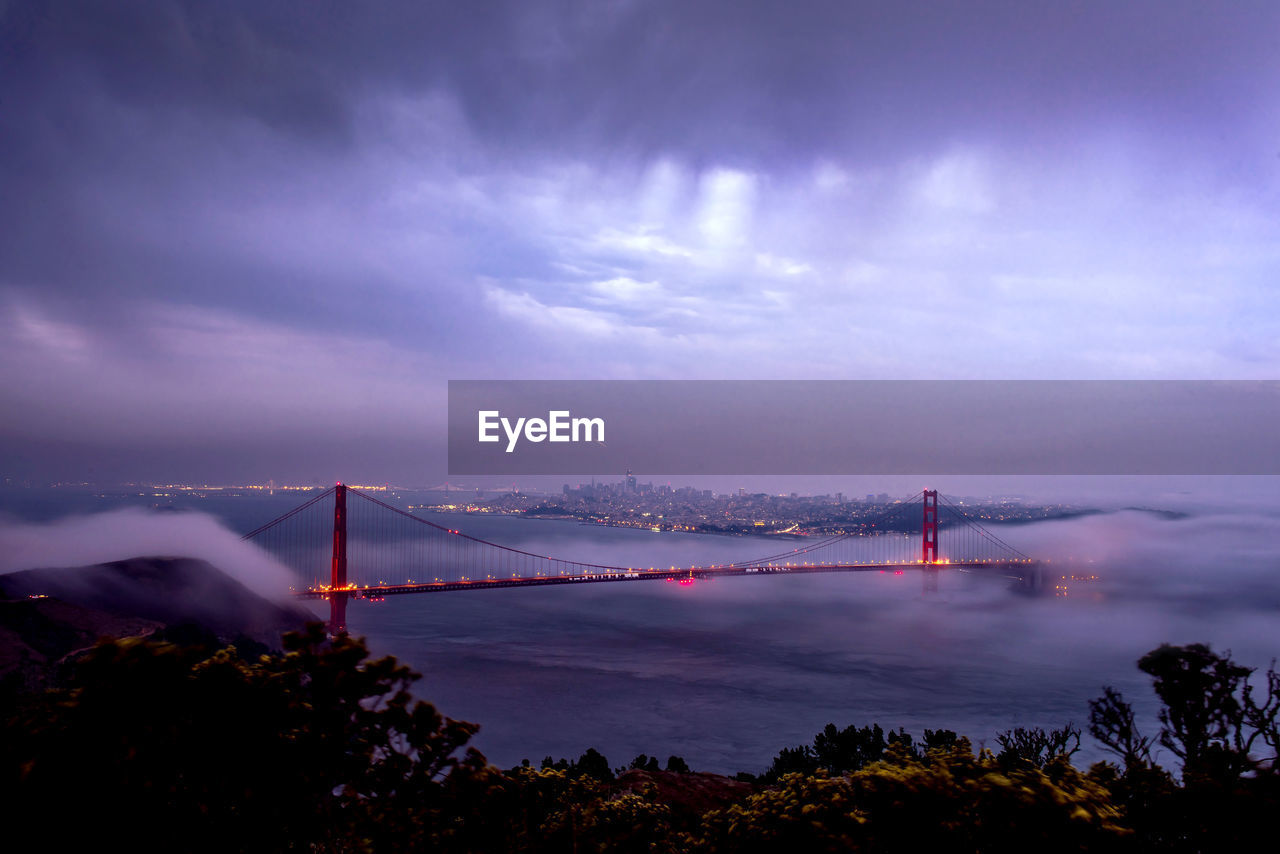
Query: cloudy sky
point(256, 239)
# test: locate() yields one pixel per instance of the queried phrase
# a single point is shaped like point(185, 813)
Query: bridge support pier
point(338, 572)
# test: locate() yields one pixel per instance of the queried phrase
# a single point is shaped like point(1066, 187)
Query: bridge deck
point(1017, 567)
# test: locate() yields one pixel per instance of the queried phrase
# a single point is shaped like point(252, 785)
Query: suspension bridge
point(345, 544)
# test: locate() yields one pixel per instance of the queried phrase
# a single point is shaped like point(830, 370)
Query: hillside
point(47, 613)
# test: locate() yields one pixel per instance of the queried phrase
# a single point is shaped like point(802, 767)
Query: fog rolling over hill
point(47, 613)
point(125, 533)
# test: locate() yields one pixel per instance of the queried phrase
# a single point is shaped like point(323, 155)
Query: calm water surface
point(726, 672)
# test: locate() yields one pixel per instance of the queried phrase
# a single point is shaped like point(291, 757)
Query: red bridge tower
point(338, 574)
point(929, 543)
point(929, 549)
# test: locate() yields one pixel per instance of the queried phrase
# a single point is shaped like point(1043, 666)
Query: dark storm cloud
point(359, 201)
point(760, 77)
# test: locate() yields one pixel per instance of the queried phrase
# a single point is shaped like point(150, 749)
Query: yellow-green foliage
point(950, 800)
point(555, 810)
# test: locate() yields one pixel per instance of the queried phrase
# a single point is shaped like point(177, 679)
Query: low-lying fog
point(135, 532)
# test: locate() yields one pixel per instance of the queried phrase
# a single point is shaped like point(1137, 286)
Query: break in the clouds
point(237, 222)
